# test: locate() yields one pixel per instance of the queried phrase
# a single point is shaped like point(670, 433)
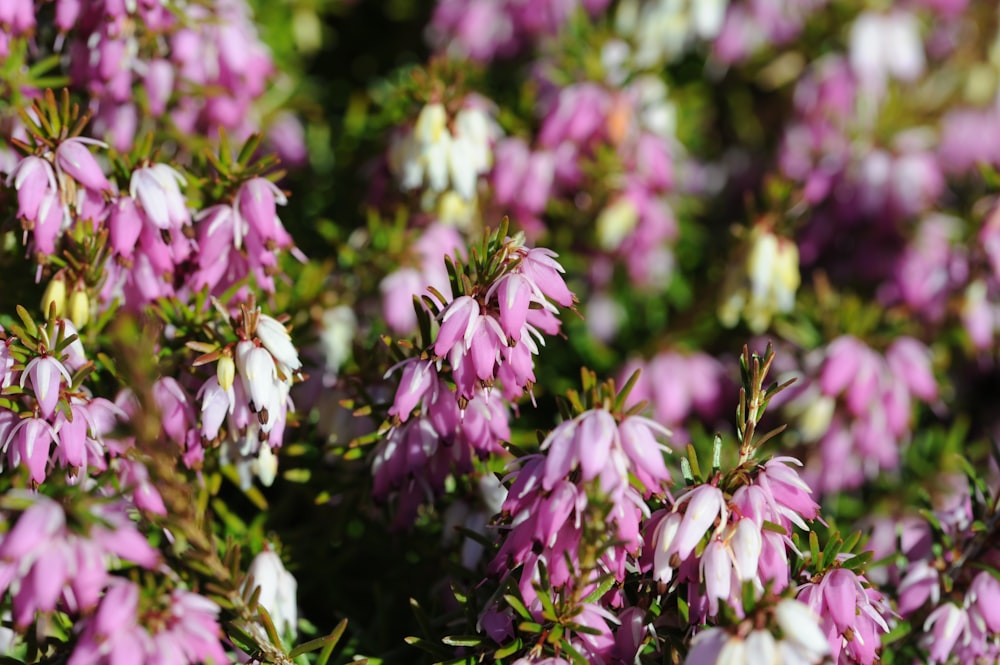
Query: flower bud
point(266, 465)
point(225, 371)
point(55, 296)
point(79, 308)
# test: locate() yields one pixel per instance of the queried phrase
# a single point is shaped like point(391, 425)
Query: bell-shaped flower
point(216, 404)
point(707, 647)
point(514, 292)
point(37, 526)
point(540, 266)
point(45, 373)
point(29, 442)
point(278, 589)
point(943, 629)
point(983, 594)
point(638, 440)
point(124, 226)
point(803, 639)
point(418, 380)
point(33, 178)
point(745, 546)
point(275, 338)
point(664, 538)
point(458, 323)
point(158, 83)
point(258, 374)
point(256, 203)
point(157, 189)
point(717, 574)
point(703, 505)
point(75, 160)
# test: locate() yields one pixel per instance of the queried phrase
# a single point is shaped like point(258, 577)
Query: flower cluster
point(482, 354)
point(857, 405)
point(941, 574)
point(179, 628)
point(196, 68)
point(740, 549)
point(444, 155)
point(48, 561)
point(157, 245)
point(53, 421)
point(587, 486)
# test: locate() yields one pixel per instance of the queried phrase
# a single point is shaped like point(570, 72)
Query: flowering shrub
point(530, 332)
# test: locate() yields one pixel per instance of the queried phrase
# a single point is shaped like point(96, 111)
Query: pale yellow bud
point(79, 308)
point(453, 210)
point(615, 223)
point(225, 371)
point(55, 294)
point(266, 465)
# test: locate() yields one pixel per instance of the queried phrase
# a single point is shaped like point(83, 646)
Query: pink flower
point(458, 324)
point(159, 83)
point(418, 380)
point(34, 179)
point(398, 289)
point(29, 442)
point(847, 607)
point(982, 593)
point(514, 292)
point(256, 203)
point(45, 374)
point(704, 504)
point(717, 573)
point(124, 226)
point(943, 630)
point(74, 159)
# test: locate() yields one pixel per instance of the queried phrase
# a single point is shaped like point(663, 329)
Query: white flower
point(803, 641)
point(884, 45)
point(278, 589)
point(275, 338)
point(259, 376)
point(157, 189)
point(340, 325)
point(441, 158)
point(470, 153)
point(663, 29)
point(764, 283)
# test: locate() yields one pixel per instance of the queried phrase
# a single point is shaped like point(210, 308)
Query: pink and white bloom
point(157, 188)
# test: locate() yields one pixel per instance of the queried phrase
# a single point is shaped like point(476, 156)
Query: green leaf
point(858, 562)
point(814, 547)
point(508, 650)
point(324, 642)
point(462, 640)
point(529, 627)
point(517, 605)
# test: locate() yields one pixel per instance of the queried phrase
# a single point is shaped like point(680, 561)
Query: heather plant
point(338, 331)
